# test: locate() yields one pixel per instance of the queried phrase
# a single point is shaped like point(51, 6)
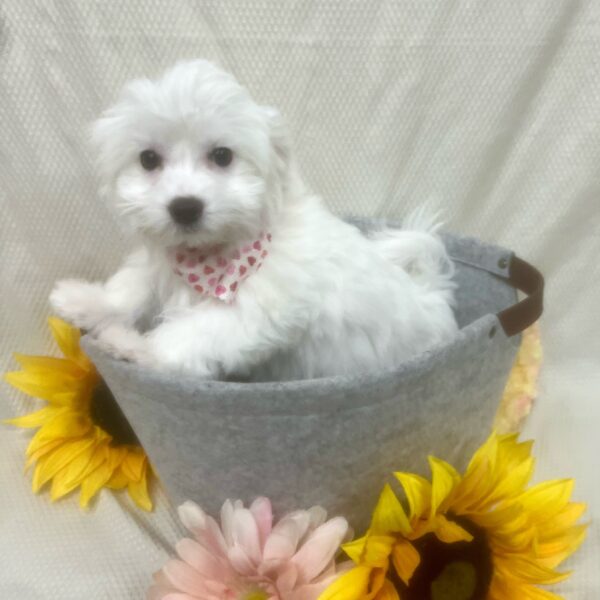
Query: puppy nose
point(186, 210)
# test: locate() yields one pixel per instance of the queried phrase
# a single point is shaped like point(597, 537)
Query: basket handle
point(528, 279)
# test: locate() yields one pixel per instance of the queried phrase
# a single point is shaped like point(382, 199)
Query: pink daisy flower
point(248, 557)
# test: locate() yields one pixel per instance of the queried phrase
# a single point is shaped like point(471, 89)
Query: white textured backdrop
point(491, 109)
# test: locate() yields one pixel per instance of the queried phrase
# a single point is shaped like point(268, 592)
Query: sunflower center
point(456, 581)
point(107, 414)
point(458, 571)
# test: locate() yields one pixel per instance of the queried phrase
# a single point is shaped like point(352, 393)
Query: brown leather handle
point(529, 280)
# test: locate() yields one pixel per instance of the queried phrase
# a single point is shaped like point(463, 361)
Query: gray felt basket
point(335, 441)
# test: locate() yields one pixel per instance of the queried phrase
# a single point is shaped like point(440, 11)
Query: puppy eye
point(150, 160)
point(221, 156)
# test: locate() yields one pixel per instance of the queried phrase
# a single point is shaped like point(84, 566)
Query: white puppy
point(240, 271)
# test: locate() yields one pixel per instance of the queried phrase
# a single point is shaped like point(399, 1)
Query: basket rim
point(414, 366)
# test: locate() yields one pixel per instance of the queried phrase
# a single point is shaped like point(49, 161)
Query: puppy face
point(190, 158)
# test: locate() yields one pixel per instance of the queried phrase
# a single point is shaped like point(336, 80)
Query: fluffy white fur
point(327, 301)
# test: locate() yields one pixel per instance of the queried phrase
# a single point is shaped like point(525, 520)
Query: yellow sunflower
point(482, 535)
point(83, 438)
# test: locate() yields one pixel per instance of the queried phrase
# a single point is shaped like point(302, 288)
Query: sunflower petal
point(378, 550)
point(353, 585)
point(505, 517)
point(133, 464)
point(38, 441)
point(444, 479)
point(500, 468)
point(528, 571)
point(389, 515)
point(511, 483)
point(61, 486)
point(116, 455)
point(93, 483)
point(484, 458)
point(138, 490)
point(406, 560)
point(449, 532)
point(77, 467)
point(387, 592)
point(550, 554)
point(355, 548)
point(67, 337)
point(65, 424)
point(118, 480)
point(50, 365)
point(50, 465)
point(35, 419)
point(42, 451)
point(472, 489)
point(97, 456)
point(561, 522)
point(530, 592)
point(418, 493)
point(34, 386)
point(546, 499)
point(503, 588)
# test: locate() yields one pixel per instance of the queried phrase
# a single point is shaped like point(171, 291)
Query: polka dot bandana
point(213, 271)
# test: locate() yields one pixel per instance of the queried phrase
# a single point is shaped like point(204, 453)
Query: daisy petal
point(240, 561)
point(262, 511)
point(227, 511)
point(200, 559)
point(245, 534)
point(319, 549)
point(184, 579)
point(283, 540)
point(205, 528)
point(318, 516)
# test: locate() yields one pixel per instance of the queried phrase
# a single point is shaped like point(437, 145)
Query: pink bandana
point(219, 274)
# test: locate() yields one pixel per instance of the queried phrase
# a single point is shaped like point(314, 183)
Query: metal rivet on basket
point(492, 331)
point(503, 263)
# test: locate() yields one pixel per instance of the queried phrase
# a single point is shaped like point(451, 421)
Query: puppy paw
point(125, 343)
point(79, 302)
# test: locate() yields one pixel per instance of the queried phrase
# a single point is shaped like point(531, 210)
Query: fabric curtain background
point(488, 110)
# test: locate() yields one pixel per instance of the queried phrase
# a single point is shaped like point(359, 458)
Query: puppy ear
point(110, 134)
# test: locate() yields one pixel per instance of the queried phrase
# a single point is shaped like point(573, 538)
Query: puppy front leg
point(122, 299)
point(216, 341)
